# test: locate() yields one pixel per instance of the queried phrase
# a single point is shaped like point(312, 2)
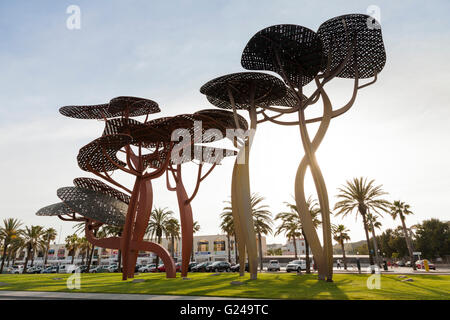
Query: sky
point(397, 132)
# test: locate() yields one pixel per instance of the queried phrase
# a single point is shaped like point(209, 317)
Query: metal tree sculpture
point(145, 146)
point(245, 91)
point(187, 151)
point(348, 46)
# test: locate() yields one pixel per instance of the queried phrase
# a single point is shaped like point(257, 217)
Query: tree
point(262, 220)
point(157, 225)
point(196, 228)
point(372, 224)
point(32, 236)
point(340, 234)
point(173, 231)
point(17, 244)
point(47, 236)
point(115, 231)
point(433, 238)
point(9, 232)
point(84, 246)
point(360, 196)
point(290, 227)
point(400, 209)
point(227, 226)
point(73, 244)
point(314, 212)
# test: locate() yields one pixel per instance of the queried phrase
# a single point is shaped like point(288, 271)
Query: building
point(288, 249)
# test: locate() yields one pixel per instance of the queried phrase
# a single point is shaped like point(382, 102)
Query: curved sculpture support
point(109, 243)
point(187, 223)
point(323, 256)
point(161, 252)
point(242, 198)
point(237, 224)
point(143, 215)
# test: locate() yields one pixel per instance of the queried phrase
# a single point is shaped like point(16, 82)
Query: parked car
point(201, 267)
point(16, 269)
point(191, 265)
point(138, 266)
point(420, 264)
point(178, 267)
point(219, 266)
point(400, 263)
point(296, 265)
point(274, 265)
point(34, 270)
point(52, 269)
point(236, 267)
point(99, 269)
point(146, 268)
point(408, 264)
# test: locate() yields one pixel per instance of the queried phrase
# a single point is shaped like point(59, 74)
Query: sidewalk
point(41, 295)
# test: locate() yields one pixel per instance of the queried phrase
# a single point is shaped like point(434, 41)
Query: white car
point(296, 265)
point(16, 270)
point(146, 268)
point(67, 268)
point(273, 265)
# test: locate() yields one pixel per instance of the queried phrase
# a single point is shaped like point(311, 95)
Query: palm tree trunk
point(32, 257)
point(295, 247)
point(363, 214)
point(260, 252)
point(343, 255)
point(408, 242)
point(26, 260)
point(157, 257)
point(91, 253)
point(229, 249)
point(46, 253)
point(375, 245)
point(5, 247)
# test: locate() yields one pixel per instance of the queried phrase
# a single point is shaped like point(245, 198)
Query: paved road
point(39, 295)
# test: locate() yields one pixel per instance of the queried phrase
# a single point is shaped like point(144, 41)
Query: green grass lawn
point(272, 286)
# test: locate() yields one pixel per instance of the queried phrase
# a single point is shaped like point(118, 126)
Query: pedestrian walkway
point(41, 295)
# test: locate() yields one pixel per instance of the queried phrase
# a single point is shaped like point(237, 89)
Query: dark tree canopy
point(295, 49)
point(363, 32)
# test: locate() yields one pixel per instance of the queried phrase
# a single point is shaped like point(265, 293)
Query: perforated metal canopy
point(94, 205)
point(266, 88)
point(338, 35)
point(220, 119)
point(99, 186)
point(94, 154)
point(56, 209)
point(292, 51)
point(117, 107)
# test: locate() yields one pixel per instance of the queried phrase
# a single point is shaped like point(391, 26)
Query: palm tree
point(84, 246)
point(340, 233)
point(290, 226)
point(72, 244)
point(32, 236)
point(47, 236)
point(8, 232)
point(114, 231)
point(196, 228)
point(314, 212)
point(262, 220)
point(173, 231)
point(374, 223)
point(400, 209)
point(157, 225)
point(227, 226)
point(17, 244)
point(363, 196)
